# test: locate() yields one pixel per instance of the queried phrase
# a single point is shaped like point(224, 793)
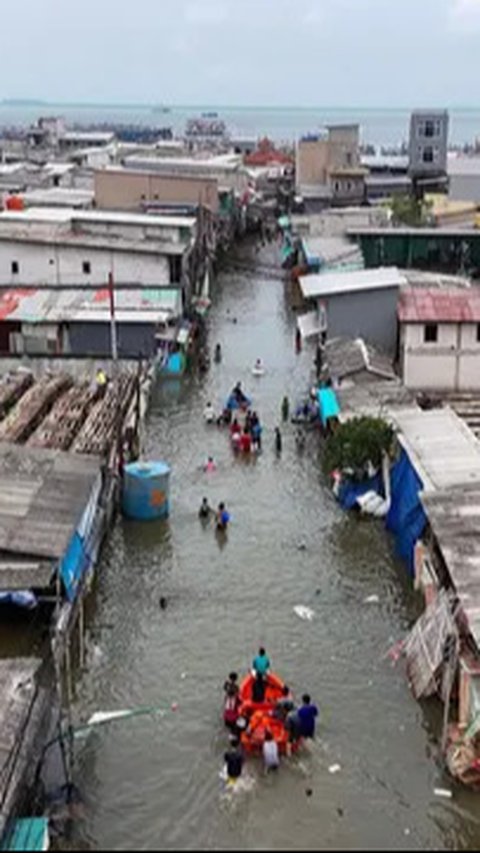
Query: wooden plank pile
point(12, 387)
point(60, 428)
point(25, 417)
point(98, 431)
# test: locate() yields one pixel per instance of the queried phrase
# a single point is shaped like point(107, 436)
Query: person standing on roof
point(101, 382)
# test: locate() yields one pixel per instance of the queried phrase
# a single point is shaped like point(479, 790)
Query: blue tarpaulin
point(406, 518)
point(350, 491)
point(25, 599)
point(328, 404)
point(74, 564)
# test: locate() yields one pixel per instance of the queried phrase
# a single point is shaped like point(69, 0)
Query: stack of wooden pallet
point(33, 406)
point(106, 416)
point(12, 387)
point(59, 430)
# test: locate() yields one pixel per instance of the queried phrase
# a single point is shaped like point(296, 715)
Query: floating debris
point(443, 792)
point(303, 612)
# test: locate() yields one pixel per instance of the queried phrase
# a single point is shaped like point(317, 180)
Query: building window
point(427, 154)
point(478, 333)
point(175, 266)
point(86, 267)
point(349, 158)
point(15, 267)
point(430, 333)
point(429, 129)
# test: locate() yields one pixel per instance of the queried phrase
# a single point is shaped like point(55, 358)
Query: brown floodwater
point(152, 782)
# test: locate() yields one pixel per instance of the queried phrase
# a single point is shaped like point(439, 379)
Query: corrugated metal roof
point(346, 357)
point(56, 215)
point(443, 450)
point(43, 494)
point(329, 284)
point(431, 305)
point(331, 249)
point(142, 305)
point(407, 231)
point(59, 196)
point(455, 520)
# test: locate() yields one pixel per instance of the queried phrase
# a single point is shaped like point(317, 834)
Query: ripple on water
point(153, 783)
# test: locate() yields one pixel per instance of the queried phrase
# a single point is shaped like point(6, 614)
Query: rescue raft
point(260, 716)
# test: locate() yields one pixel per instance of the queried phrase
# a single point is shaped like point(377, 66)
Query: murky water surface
point(152, 783)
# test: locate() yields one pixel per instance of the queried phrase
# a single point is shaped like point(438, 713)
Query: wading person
point(234, 760)
point(271, 757)
point(222, 518)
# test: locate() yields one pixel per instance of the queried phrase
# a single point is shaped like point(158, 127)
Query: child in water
point(210, 465)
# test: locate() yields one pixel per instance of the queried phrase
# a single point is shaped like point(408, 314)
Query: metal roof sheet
point(442, 448)
point(433, 305)
point(92, 305)
point(330, 284)
point(455, 520)
point(43, 495)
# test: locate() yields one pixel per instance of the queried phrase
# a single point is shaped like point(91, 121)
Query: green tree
point(408, 210)
point(358, 442)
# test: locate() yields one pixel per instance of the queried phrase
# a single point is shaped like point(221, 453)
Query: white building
point(440, 338)
point(55, 246)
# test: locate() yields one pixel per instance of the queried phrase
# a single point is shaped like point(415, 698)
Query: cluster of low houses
point(94, 228)
point(404, 343)
point(107, 252)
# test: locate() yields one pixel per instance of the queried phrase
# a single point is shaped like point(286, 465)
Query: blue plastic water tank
point(146, 491)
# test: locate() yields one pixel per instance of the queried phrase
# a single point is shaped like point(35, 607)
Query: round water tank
point(146, 491)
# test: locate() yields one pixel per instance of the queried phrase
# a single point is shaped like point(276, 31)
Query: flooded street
point(153, 782)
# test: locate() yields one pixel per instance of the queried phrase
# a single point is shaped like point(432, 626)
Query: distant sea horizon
point(386, 126)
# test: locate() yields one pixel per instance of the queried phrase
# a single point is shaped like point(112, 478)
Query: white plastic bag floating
point(303, 612)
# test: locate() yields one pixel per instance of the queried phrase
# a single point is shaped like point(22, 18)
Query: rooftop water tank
point(146, 491)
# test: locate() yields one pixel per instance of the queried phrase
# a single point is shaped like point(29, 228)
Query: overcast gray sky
point(243, 52)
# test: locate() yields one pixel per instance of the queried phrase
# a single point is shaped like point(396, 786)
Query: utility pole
point(113, 325)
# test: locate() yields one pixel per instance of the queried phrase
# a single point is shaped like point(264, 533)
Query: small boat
point(261, 718)
point(258, 368)
point(233, 403)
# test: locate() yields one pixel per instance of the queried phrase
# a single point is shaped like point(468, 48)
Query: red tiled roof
point(435, 305)
point(264, 158)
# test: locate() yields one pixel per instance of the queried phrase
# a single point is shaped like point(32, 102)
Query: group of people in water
point(299, 722)
point(221, 515)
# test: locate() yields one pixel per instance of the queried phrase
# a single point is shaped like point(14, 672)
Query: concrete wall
point(312, 161)
point(450, 364)
point(343, 144)
point(371, 315)
point(128, 190)
point(347, 188)
point(43, 264)
point(464, 187)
